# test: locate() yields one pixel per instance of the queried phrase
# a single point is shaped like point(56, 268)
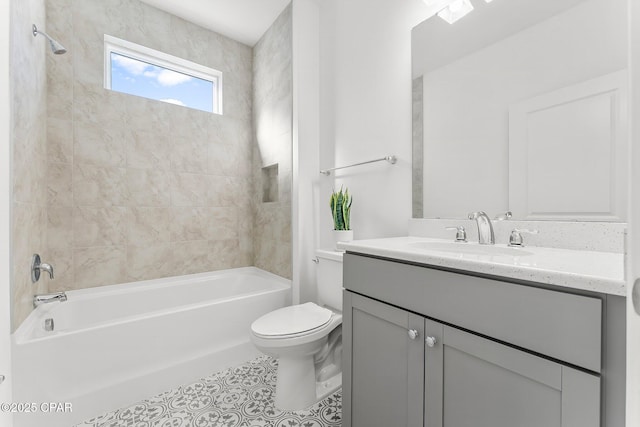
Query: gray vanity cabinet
point(426, 347)
point(471, 381)
point(386, 385)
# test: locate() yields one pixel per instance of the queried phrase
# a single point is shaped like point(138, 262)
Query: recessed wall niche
point(270, 183)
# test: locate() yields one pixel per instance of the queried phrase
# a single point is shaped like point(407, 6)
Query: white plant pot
point(342, 236)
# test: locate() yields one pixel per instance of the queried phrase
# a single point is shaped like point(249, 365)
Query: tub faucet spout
point(47, 298)
point(485, 229)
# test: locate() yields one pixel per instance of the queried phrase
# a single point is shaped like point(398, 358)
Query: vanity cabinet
point(386, 381)
point(434, 348)
point(473, 381)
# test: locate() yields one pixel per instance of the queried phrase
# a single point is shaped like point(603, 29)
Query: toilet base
point(296, 385)
point(329, 386)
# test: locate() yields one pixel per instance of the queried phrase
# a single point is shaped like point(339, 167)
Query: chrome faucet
point(47, 298)
point(485, 229)
point(37, 266)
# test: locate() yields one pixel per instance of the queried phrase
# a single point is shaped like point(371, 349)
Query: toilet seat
point(292, 321)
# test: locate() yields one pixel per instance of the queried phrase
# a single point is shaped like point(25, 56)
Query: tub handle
point(316, 260)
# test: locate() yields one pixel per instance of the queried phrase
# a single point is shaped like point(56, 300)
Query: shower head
point(56, 47)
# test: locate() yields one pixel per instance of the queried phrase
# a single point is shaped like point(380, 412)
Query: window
point(138, 70)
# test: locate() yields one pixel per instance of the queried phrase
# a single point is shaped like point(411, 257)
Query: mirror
point(520, 106)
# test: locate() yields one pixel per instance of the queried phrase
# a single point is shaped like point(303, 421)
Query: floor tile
point(237, 397)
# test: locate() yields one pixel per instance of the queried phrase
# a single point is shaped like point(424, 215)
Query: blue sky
point(140, 78)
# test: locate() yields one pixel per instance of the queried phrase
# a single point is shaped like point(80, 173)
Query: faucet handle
point(475, 215)
point(515, 239)
point(461, 233)
point(37, 266)
point(504, 216)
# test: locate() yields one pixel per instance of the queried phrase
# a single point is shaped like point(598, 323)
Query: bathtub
point(115, 345)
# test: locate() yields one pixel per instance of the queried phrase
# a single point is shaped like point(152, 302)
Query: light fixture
point(456, 10)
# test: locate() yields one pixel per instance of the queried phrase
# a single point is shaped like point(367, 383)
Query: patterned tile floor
point(236, 397)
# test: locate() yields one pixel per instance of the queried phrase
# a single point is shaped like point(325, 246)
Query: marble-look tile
point(148, 187)
point(103, 226)
point(88, 54)
point(95, 105)
point(148, 178)
point(149, 149)
point(28, 237)
point(189, 155)
point(191, 257)
point(150, 262)
point(59, 140)
point(149, 115)
point(235, 132)
point(224, 223)
point(191, 124)
point(238, 96)
point(148, 226)
point(228, 191)
point(189, 189)
point(198, 223)
point(99, 186)
point(272, 103)
point(59, 227)
point(62, 261)
point(99, 266)
point(246, 252)
point(146, 25)
point(28, 133)
point(59, 17)
point(60, 85)
point(228, 160)
point(224, 254)
point(30, 170)
point(190, 223)
point(59, 184)
point(99, 145)
point(194, 48)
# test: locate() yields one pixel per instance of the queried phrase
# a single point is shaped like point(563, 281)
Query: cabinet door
point(383, 369)
point(471, 381)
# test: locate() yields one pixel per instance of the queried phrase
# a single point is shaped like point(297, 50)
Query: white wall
point(5, 165)
point(365, 111)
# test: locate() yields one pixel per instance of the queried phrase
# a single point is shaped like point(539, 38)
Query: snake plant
point(340, 204)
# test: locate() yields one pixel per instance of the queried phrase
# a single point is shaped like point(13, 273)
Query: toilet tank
point(329, 278)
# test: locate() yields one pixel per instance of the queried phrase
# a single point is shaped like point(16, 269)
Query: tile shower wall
point(28, 139)
point(273, 112)
point(140, 189)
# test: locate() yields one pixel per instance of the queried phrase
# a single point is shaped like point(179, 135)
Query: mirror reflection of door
point(469, 75)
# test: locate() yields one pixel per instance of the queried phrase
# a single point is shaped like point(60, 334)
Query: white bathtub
point(115, 345)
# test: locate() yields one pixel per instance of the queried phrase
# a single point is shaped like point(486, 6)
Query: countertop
point(601, 272)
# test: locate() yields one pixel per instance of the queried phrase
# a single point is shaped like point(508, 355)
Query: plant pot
point(342, 236)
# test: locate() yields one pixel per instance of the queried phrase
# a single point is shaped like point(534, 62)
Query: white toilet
point(307, 340)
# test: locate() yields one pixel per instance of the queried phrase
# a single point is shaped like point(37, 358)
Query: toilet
point(307, 340)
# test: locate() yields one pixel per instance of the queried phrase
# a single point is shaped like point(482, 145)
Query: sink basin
point(470, 248)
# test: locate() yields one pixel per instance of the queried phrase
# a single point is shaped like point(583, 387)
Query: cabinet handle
point(413, 334)
point(431, 341)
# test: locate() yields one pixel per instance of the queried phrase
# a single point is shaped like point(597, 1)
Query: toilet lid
point(292, 320)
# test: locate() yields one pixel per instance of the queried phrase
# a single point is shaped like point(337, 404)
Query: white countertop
point(586, 270)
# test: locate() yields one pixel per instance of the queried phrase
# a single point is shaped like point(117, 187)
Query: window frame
point(164, 60)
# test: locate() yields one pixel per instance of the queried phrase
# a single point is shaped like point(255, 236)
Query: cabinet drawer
point(560, 325)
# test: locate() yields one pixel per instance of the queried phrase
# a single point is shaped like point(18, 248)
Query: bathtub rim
point(23, 334)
